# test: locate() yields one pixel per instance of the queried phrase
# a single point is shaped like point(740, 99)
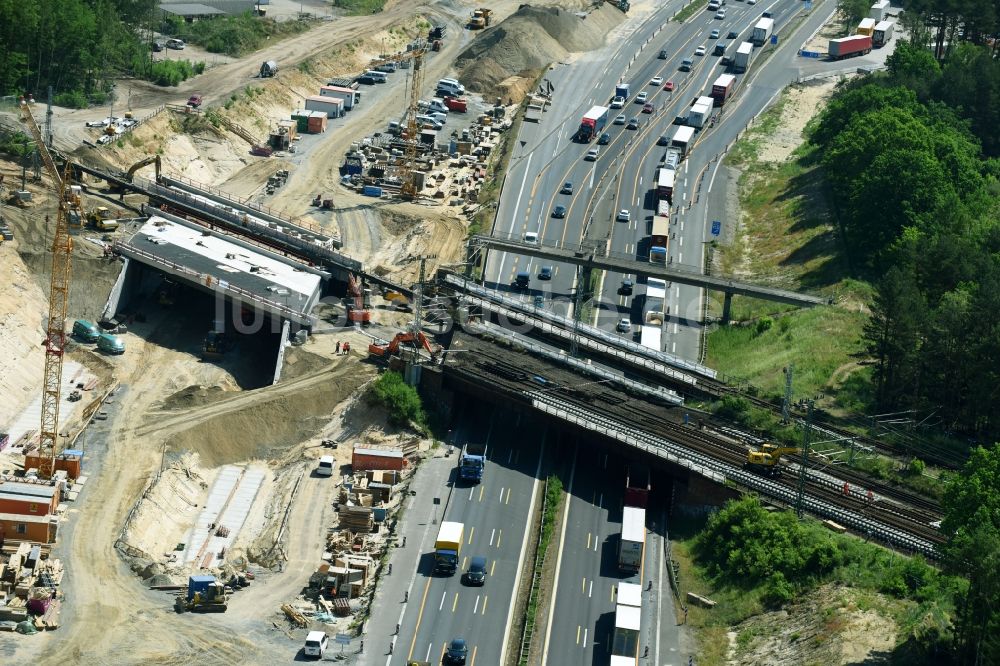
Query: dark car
point(545, 273)
point(626, 288)
point(559, 211)
point(567, 188)
point(664, 140)
point(732, 34)
point(633, 124)
point(681, 120)
point(767, 15)
point(476, 573)
point(456, 653)
point(663, 54)
point(604, 140)
point(647, 108)
point(366, 80)
point(157, 46)
point(521, 280)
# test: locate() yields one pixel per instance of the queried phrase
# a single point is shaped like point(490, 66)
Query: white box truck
point(741, 62)
point(879, 10)
point(882, 34)
point(762, 31)
point(633, 539)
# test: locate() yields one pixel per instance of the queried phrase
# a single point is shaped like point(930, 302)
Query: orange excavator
point(359, 312)
point(413, 340)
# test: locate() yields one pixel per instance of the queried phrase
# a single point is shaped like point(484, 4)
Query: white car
point(624, 326)
point(617, 102)
point(700, 51)
point(656, 81)
point(751, 2)
point(624, 215)
point(721, 14)
point(620, 120)
point(641, 97)
point(531, 237)
point(591, 155)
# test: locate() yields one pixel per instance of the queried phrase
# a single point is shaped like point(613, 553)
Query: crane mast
point(55, 323)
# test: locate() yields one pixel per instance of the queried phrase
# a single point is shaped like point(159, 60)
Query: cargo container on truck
point(637, 486)
point(658, 241)
point(633, 539)
point(879, 10)
point(625, 641)
point(845, 47)
point(447, 547)
point(741, 61)
point(665, 184)
point(762, 31)
point(593, 123)
point(866, 27)
point(621, 90)
point(722, 89)
point(699, 115)
point(472, 462)
point(882, 34)
point(683, 140)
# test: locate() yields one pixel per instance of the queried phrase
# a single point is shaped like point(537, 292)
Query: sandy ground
point(801, 103)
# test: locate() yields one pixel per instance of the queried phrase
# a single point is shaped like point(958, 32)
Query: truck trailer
point(866, 27)
point(665, 185)
point(622, 90)
point(637, 486)
point(633, 539)
point(762, 31)
point(659, 239)
point(845, 47)
point(882, 34)
point(447, 548)
point(683, 140)
point(722, 89)
point(593, 123)
point(741, 61)
point(472, 462)
point(699, 114)
point(879, 10)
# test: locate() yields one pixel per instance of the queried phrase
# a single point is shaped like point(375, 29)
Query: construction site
point(209, 281)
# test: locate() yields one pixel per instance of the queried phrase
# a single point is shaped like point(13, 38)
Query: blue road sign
point(774, 39)
point(716, 227)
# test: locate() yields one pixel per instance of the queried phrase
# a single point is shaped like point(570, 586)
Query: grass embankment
point(358, 7)
point(787, 238)
point(750, 560)
point(233, 35)
point(690, 10)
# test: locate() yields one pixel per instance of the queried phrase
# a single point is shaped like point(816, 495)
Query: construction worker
point(347, 347)
point(338, 347)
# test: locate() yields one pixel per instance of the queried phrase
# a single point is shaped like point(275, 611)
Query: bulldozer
point(765, 461)
point(480, 18)
point(208, 596)
point(409, 339)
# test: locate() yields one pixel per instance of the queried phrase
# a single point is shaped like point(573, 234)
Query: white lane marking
point(443, 595)
point(492, 534)
point(590, 588)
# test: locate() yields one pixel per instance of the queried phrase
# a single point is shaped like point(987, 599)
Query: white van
point(316, 644)
point(176, 44)
point(429, 121)
point(451, 87)
point(378, 77)
point(436, 105)
point(325, 467)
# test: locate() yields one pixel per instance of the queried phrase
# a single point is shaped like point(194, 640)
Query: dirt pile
point(528, 41)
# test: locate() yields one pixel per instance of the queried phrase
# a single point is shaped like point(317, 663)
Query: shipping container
point(365, 459)
point(317, 123)
point(348, 95)
point(332, 106)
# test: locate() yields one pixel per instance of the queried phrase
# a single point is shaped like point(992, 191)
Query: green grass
point(553, 505)
point(690, 10)
point(358, 7)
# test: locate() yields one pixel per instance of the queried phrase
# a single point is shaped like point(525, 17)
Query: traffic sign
point(716, 227)
point(342, 639)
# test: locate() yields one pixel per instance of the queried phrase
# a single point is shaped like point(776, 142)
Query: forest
point(911, 162)
point(80, 47)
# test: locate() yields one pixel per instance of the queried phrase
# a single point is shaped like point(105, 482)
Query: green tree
point(400, 399)
point(853, 11)
point(972, 524)
point(894, 335)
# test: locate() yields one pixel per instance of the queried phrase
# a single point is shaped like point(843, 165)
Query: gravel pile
point(528, 41)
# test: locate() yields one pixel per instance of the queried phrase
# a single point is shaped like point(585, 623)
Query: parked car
point(194, 101)
point(156, 46)
point(176, 44)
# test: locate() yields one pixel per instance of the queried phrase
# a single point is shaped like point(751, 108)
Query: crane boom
point(416, 56)
point(55, 323)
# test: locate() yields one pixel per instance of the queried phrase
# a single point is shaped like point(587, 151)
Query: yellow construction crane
point(55, 328)
point(416, 56)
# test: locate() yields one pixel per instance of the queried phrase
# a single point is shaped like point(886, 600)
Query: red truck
point(722, 89)
point(845, 47)
point(458, 104)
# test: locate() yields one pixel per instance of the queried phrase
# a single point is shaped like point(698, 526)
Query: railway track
point(518, 382)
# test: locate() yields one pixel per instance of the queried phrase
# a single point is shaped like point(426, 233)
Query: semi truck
point(622, 90)
point(699, 114)
point(683, 140)
point(593, 123)
point(472, 462)
point(447, 547)
point(741, 61)
point(762, 31)
point(665, 184)
point(633, 539)
point(659, 239)
point(882, 34)
point(628, 620)
point(637, 486)
point(879, 10)
point(722, 89)
point(866, 27)
point(845, 47)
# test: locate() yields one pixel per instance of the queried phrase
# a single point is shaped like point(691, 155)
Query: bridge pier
point(727, 307)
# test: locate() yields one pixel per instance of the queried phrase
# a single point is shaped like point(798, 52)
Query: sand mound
point(529, 40)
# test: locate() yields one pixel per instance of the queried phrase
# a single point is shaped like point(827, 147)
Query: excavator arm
point(152, 159)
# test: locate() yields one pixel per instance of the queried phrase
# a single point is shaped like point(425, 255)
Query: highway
point(622, 176)
point(495, 514)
